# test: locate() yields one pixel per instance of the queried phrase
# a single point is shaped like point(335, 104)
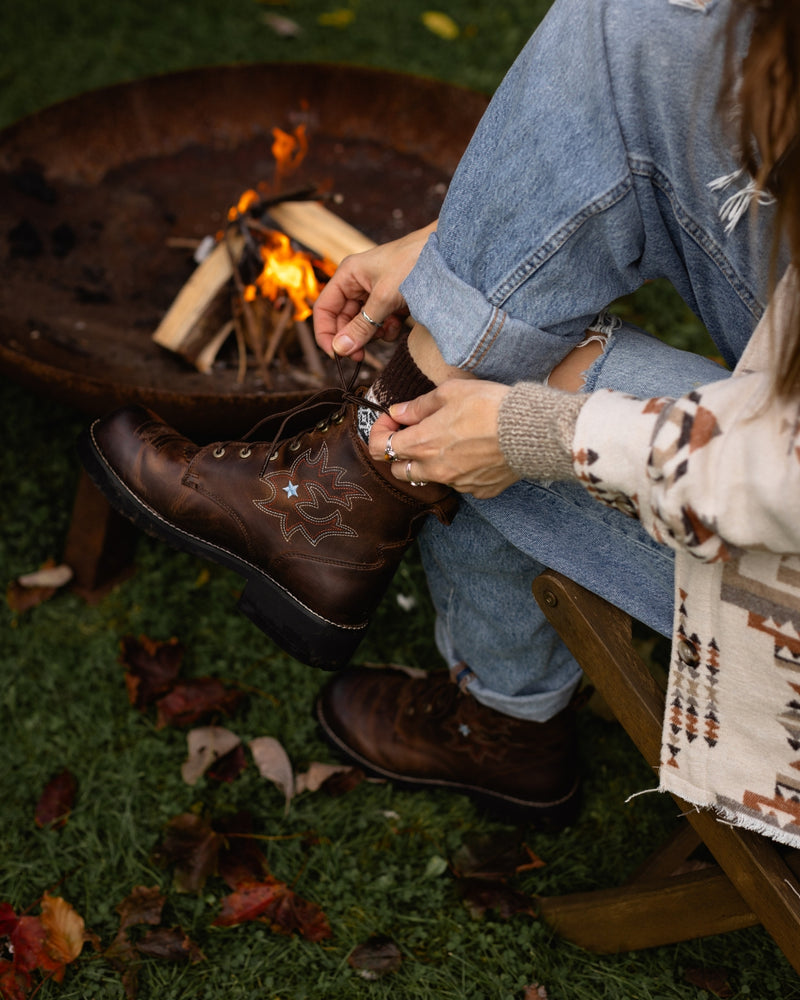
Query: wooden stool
point(754, 880)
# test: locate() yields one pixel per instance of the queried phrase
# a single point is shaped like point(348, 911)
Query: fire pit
point(103, 197)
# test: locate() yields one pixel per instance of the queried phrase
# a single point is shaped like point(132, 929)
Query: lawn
point(375, 860)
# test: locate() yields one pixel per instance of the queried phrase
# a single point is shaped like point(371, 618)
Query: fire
point(286, 271)
point(289, 150)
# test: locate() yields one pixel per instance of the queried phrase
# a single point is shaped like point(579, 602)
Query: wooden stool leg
point(100, 542)
point(599, 637)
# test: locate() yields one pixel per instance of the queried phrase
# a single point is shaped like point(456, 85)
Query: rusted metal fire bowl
point(94, 192)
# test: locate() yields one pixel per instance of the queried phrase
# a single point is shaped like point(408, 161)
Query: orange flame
point(289, 150)
point(286, 271)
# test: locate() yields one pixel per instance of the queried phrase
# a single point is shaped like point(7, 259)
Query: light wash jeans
point(588, 175)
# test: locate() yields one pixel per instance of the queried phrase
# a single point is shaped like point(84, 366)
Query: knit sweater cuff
point(536, 425)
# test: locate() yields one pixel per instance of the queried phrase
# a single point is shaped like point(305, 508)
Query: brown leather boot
point(315, 527)
point(428, 733)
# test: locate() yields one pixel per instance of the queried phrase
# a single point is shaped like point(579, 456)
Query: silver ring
point(371, 321)
point(413, 482)
point(388, 452)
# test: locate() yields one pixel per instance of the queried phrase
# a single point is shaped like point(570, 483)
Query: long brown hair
point(765, 94)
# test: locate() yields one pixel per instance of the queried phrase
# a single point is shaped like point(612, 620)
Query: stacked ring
point(414, 482)
point(388, 452)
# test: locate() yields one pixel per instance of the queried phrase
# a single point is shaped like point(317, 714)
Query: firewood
point(182, 329)
point(319, 229)
point(194, 322)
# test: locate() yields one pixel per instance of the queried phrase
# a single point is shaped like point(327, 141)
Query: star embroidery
point(464, 729)
point(291, 489)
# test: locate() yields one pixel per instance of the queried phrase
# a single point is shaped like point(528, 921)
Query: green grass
point(62, 695)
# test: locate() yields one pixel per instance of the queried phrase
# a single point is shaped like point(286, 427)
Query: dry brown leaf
point(206, 745)
point(376, 957)
point(47, 576)
point(535, 992)
point(273, 764)
point(66, 931)
point(316, 775)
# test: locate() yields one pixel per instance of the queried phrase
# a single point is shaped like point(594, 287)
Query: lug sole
point(300, 632)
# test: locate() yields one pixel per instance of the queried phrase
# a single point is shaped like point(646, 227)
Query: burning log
point(199, 320)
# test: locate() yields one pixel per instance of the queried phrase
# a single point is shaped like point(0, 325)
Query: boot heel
point(303, 635)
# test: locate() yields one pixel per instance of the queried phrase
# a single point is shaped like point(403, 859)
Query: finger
point(415, 410)
point(379, 435)
point(362, 328)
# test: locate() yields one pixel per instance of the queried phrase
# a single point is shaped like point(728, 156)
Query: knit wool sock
point(399, 381)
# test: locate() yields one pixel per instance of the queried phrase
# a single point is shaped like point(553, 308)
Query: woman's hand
point(367, 282)
point(449, 436)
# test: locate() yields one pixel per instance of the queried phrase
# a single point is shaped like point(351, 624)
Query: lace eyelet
point(218, 452)
point(246, 452)
point(294, 446)
point(323, 426)
point(337, 418)
point(273, 456)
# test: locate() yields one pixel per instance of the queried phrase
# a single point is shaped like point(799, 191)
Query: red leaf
point(241, 859)
point(29, 941)
point(195, 699)
point(14, 982)
point(228, 767)
point(249, 902)
point(151, 668)
point(275, 903)
point(55, 803)
point(8, 919)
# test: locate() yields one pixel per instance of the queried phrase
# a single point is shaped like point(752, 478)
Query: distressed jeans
point(600, 163)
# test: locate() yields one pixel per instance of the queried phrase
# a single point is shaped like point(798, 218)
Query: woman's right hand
point(367, 282)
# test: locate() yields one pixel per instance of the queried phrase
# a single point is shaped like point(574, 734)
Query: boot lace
point(335, 398)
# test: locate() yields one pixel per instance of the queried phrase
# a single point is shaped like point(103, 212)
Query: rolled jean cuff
point(467, 327)
point(530, 707)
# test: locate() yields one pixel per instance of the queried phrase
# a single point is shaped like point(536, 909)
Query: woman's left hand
point(448, 436)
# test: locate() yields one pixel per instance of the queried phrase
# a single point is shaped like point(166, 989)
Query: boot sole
point(548, 817)
point(297, 629)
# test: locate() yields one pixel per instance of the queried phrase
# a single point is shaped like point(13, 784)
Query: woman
point(530, 241)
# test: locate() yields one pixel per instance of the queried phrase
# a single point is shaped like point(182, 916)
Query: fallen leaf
point(29, 942)
point(273, 902)
point(15, 984)
point(714, 980)
point(206, 745)
point(66, 931)
point(343, 782)
point(316, 775)
point(376, 957)
point(142, 906)
point(229, 767)
point(493, 856)
point(192, 700)
point(440, 24)
point(170, 944)
point(56, 801)
point(535, 992)
point(337, 18)
point(151, 668)
point(481, 895)
point(48, 576)
point(273, 764)
point(8, 919)
point(192, 847)
point(284, 27)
